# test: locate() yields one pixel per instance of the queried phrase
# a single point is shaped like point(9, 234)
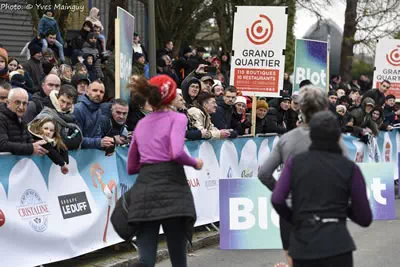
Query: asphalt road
point(377, 246)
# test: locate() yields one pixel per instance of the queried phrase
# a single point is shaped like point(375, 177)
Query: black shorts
point(343, 260)
point(285, 229)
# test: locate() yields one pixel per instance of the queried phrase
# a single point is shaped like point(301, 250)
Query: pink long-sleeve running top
point(159, 137)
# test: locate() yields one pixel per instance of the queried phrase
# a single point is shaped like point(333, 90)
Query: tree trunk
point(346, 57)
point(290, 39)
point(112, 13)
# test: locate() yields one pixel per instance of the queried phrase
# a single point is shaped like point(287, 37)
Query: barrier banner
point(124, 29)
point(248, 220)
point(387, 65)
point(47, 216)
point(310, 63)
point(258, 54)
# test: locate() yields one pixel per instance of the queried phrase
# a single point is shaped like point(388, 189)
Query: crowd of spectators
point(68, 87)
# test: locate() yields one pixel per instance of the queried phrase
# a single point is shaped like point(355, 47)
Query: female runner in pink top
point(161, 194)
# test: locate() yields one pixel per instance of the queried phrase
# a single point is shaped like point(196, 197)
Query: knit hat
point(324, 126)
point(201, 49)
point(241, 99)
point(167, 87)
point(4, 54)
point(262, 104)
point(35, 49)
point(332, 92)
point(79, 77)
point(18, 80)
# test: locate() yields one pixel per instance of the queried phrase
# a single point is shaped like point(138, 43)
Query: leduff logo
point(261, 30)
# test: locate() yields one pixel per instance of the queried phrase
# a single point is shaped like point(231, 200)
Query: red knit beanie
point(167, 87)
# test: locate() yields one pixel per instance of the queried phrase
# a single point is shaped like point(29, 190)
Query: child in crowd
point(91, 69)
point(100, 37)
point(90, 50)
point(80, 68)
point(65, 74)
point(13, 64)
point(48, 23)
point(46, 129)
point(3, 64)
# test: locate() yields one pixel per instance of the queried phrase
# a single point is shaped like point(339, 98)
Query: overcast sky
point(305, 19)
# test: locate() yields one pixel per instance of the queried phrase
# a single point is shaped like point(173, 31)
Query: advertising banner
point(259, 42)
point(310, 63)
point(123, 36)
point(47, 216)
point(387, 65)
point(248, 220)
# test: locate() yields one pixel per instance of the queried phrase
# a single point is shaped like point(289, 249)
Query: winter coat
point(93, 18)
point(201, 120)
point(377, 96)
point(359, 113)
point(69, 130)
point(89, 50)
point(269, 124)
point(35, 69)
point(242, 123)
point(138, 69)
point(14, 135)
point(90, 120)
point(222, 118)
point(389, 115)
point(59, 157)
point(46, 24)
point(185, 90)
point(39, 101)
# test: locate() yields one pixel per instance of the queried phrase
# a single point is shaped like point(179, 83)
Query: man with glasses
point(4, 90)
point(222, 118)
point(378, 94)
point(14, 135)
point(41, 99)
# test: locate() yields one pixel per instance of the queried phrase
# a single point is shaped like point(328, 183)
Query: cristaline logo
point(393, 57)
point(34, 210)
point(261, 30)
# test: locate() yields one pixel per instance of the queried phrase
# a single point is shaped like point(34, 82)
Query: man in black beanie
point(34, 66)
point(322, 183)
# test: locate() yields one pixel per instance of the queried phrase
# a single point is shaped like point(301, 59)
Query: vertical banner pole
point(328, 50)
point(152, 38)
point(117, 60)
point(253, 115)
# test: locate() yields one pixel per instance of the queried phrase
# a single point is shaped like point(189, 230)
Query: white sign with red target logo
point(387, 65)
point(258, 57)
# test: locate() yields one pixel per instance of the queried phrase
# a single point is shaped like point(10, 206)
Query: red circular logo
point(261, 30)
point(2, 218)
point(393, 57)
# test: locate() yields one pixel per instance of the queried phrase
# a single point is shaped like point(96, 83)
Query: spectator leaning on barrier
point(200, 116)
point(378, 94)
point(14, 135)
point(266, 121)
point(239, 114)
point(377, 117)
point(90, 117)
point(319, 235)
point(360, 113)
point(61, 110)
point(115, 127)
point(388, 110)
point(41, 99)
point(5, 88)
point(222, 118)
point(179, 104)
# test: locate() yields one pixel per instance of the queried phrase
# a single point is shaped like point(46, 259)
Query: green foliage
point(362, 67)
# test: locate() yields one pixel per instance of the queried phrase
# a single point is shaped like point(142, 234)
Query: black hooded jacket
point(185, 91)
point(14, 135)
